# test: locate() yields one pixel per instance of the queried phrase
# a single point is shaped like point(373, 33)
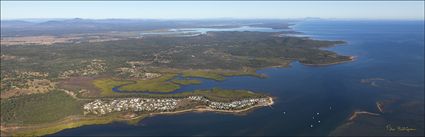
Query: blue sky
point(214, 9)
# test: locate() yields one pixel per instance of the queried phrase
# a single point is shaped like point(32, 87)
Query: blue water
point(390, 50)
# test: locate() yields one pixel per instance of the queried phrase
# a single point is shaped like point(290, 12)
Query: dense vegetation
point(216, 50)
point(39, 108)
point(213, 55)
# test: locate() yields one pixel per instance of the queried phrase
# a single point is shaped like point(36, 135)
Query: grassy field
point(39, 108)
point(214, 94)
point(241, 73)
point(106, 85)
point(218, 75)
point(203, 74)
point(160, 84)
point(72, 122)
point(186, 81)
point(165, 83)
point(217, 94)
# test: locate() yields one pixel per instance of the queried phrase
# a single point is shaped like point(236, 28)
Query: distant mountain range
point(78, 25)
point(59, 27)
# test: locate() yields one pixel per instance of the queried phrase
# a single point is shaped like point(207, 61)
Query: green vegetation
point(203, 74)
point(186, 81)
point(212, 56)
point(215, 94)
point(230, 51)
point(164, 83)
point(160, 84)
point(106, 85)
point(241, 73)
point(218, 74)
point(71, 123)
point(39, 108)
point(218, 94)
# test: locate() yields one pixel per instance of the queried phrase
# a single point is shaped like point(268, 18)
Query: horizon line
point(218, 18)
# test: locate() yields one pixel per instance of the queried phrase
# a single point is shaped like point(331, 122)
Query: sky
point(213, 9)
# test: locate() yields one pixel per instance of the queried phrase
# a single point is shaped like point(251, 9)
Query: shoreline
point(355, 114)
point(352, 58)
point(216, 110)
point(79, 120)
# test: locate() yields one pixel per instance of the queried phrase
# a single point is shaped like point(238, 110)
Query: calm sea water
point(388, 50)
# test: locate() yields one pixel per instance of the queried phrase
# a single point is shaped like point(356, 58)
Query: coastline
point(214, 110)
point(357, 113)
point(75, 124)
point(352, 58)
point(78, 121)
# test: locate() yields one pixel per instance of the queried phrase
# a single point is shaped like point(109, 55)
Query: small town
point(99, 107)
point(95, 66)
point(137, 70)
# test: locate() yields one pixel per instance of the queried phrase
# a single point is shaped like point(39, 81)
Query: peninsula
point(99, 76)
